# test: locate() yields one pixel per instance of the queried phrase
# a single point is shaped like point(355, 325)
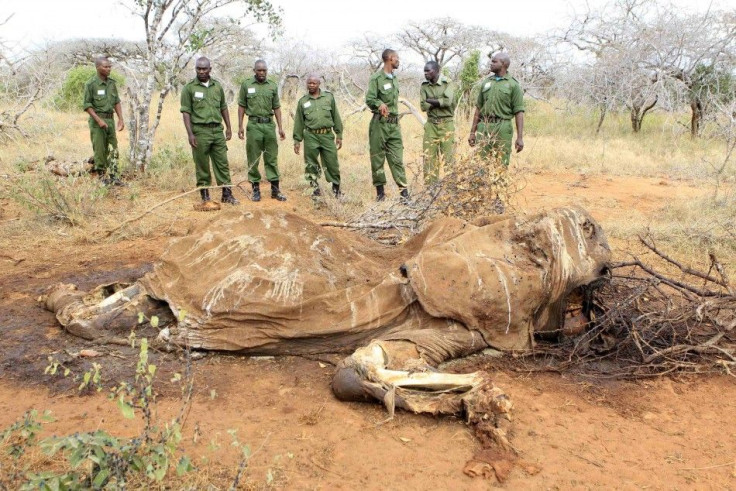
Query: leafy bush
point(70, 95)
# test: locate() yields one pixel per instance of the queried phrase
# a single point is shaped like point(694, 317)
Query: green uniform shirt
point(502, 98)
point(204, 104)
point(383, 89)
point(444, 92)
point(101, 95)
point(259, 99)
point(316, 113)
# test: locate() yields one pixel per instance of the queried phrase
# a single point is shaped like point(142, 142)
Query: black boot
point(276, 192)
point(256, 192)
point(205, 193)
point(227, 197)
point(336, 190)
point(317, 191)
point(380, 195)
point(404, 199)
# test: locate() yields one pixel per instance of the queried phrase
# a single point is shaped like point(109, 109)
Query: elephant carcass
point(271, 282)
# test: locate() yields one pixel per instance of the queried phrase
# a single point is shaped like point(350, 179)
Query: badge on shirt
point(487, 86)
point(307, 104)
point(251, 90)
point(386, 86)
point(100, 91)
point(199, 95)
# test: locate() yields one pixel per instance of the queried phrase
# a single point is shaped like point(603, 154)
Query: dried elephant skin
point(269, 282)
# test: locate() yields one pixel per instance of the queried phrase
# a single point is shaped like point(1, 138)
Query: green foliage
point(71, 94)
point(713, 85)
point(98, 459)
point(469, 76)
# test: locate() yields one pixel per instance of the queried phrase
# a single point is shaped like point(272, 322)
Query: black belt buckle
point(208, 125)
point(259, 119)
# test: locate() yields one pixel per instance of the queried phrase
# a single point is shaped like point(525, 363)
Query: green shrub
point(69, 96)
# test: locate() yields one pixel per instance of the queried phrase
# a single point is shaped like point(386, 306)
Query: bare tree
point(175, 30)
point(24, 80)
point(443, 40)
point(367, 49)
point(644, 50)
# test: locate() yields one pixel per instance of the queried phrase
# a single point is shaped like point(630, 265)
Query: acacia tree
point(175, 30)
point(443, 39)
point(24, 80)
point(645, 49)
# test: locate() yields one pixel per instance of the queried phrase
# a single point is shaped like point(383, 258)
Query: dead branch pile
point(648, 323)
point(473, 187)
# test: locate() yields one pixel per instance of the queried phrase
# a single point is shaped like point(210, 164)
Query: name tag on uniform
point(307, 104)
point(251, 90)
point(199, 95)
point(387, 86)
point(101, 92)
point(487, 86)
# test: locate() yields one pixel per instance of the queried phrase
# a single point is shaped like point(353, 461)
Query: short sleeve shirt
point(204, 104)
point(501, 97)
point(100, 95)
point(259, 99)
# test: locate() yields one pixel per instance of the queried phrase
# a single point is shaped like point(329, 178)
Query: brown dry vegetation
point(581, 432)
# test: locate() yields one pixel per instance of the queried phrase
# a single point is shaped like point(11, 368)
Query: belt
point(492, 119)
point(209, 125)
point(440, 120)
point(105, 115)
point(387, 119)
point(257, 119)
point(319, 131)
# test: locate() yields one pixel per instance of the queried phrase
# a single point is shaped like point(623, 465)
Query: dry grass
point(559, 140)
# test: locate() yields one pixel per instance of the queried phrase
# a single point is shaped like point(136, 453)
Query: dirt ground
point(671, 432)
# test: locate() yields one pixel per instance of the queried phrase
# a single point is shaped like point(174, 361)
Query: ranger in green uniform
point(100, 100)
point(203, 108)
point(314, 123)
point(259, 99)
point(437, 98)
point(384, 133)
point(499, 100)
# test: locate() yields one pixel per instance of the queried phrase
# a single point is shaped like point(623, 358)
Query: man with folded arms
point(437, 98)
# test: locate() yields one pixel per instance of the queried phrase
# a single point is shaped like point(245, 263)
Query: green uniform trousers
point(438, 146)
point(104, 146)
point(385, 144)
point(211, 145)
point(260, 138)
point(320, 147)
point(495, 140)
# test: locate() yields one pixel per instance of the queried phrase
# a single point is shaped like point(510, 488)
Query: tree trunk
point(604, 110)
point(635, 119)
point(638, 111)
point(696, 105)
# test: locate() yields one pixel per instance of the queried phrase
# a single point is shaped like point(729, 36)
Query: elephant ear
point(483, 279)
